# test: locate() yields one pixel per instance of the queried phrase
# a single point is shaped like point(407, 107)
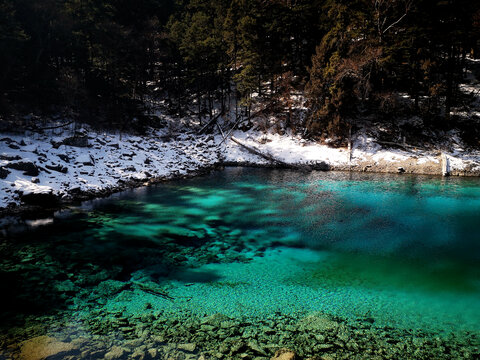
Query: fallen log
point(403, 146)
point(210, 123)
point(269, 157)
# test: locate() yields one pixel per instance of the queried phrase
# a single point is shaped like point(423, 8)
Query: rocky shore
point(41, 172)
point(154, 335)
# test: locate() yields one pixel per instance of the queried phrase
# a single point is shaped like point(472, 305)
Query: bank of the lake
point(42, 172)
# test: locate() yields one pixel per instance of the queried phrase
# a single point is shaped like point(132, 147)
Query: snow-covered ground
point(366, 155)
point(33, 163)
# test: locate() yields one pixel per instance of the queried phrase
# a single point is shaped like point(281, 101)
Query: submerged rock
point(190, 347)
point(284, 354)
point(43, 347)
point(317, 322)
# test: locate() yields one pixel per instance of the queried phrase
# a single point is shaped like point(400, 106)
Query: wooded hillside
point(105, 61)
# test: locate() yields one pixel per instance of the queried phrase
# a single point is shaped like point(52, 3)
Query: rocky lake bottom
point(247, 263)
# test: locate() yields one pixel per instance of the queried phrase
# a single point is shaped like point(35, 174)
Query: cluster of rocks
point(154, 335)
point(64, 166)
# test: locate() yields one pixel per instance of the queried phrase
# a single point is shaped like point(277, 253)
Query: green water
point(402, 251)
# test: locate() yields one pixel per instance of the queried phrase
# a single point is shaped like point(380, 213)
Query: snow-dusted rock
point(28, 167)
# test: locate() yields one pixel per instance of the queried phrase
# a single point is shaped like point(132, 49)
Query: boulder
point(116, 352)
point(41, 199)
point(85, 159)
point(58, 168)
point(317, 322)
point(43, 347)
point(77, 141)
point(190, 347)
point(64, 157)
point(10, 157)
point(28, 167)
point(111, 287)
point(3, 173)
point(321, 166)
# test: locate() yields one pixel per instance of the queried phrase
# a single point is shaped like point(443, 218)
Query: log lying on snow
point(210, 123)
point(269, 157)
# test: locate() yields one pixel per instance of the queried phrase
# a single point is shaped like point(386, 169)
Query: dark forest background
point(105, 62)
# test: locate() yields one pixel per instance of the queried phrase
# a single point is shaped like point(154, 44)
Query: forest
point(106, 62)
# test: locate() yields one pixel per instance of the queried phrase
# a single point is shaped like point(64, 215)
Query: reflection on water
point(265, 245)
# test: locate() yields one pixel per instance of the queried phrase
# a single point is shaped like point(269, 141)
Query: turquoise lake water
point(401, 250)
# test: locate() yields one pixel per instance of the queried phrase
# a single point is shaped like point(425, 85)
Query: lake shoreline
point(26, 196)
point(156, 335)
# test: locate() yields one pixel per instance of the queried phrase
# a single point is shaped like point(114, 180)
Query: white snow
point(108, 160)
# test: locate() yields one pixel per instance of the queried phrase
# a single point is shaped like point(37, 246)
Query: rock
point(28, 167)
point(3, 173)
point(7, 140)
point(63, 157)
point(43, 347)
point(321, 166)
point(77, 141)
point(13, 146)
point(10, 157)
point(284, 354)
point(237, 347)
point(190, 347)
point(138, 355)
point(256, 348)
point(130, 168)
point(85, 159)
point(66, 286)
point(43, 199)
point(116, 352)
point(317, 322)
point(109, 288)
point(58, 168)
point(215, 319)
point(152, 353)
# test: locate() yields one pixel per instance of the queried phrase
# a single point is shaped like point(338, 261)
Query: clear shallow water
point(402, 251)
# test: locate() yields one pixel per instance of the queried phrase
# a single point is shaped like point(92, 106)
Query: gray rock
point(58, 168)
point(63, 157)
point(44, 199)
point(28, 167)
point(10, 157)
point(77, 141)
point(3, 173)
